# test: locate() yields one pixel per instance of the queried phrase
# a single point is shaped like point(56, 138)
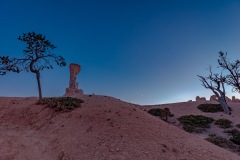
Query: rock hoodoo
point(200, 98)
point(72, 90)
point(213, 98)
point(228, 99)
point(235, 100)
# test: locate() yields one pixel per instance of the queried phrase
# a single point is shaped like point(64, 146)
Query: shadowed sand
point(104, 128)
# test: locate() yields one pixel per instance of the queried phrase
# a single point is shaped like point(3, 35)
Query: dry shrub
point(61, 104)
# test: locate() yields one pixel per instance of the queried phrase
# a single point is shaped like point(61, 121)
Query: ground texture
point(104, 128)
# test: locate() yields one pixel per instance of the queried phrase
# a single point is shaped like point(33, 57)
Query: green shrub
point(171, 115)
point(235, 139)
point(64, 104)
point(222, 142)
point(235, 136)
point(232, 131)
point(238, 125)
point(195, 123)
point(156, 112)
point(224, 123)
point(191, 129)
point(162, 113)
point(213, 108)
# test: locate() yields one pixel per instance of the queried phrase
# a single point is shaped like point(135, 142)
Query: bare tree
point(215, 83)
point(38, 56)
point(233, 68)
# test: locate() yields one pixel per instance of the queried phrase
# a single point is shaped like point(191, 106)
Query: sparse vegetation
point(235, 136)
point(212, 108)
point(224, 123)
point(195, 123)
point(223, 142)
point(238, 125)
point(63, 104)
point(162, 113)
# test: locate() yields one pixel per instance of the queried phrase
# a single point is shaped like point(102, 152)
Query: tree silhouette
point(233, 68)
point(38, 56)
point(215, 83)
point(4, 61)
point(7, 65)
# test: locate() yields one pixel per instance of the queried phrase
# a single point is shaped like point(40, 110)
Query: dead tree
point(233, 68)
point(215, 83)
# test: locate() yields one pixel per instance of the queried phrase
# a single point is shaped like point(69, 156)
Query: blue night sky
point(145, 52)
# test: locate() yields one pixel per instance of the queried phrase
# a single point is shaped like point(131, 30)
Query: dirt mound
point(104, 128)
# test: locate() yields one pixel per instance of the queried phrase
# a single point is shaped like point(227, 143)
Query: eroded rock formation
point(235, 100)
point(200, 98)
point(228, 99)
point(72, 90)
point(213, 98)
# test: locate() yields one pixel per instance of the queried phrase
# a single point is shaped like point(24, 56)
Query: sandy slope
point(190, 108)
point(103, 129)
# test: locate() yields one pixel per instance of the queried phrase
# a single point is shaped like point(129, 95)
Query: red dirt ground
point(104, 128)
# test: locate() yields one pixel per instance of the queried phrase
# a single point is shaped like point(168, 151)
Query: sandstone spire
point(72, 90)
point(74, 70)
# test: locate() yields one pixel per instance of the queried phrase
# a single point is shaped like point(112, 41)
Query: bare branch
point(233, 78)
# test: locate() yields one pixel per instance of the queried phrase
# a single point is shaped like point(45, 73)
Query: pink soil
point(104, 128)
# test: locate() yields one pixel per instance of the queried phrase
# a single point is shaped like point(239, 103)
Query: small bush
point(222, 142)
point(162, 113)
point(232, 131)
point(64, 104)
point(195, 123)
point(238, 125)
point(235, 136)
point(235, 139)
point(155, 112)
point(212, 108)
point(224, 123)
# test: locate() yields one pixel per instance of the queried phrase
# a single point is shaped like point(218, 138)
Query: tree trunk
point(39, 85)
point(224, 104)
